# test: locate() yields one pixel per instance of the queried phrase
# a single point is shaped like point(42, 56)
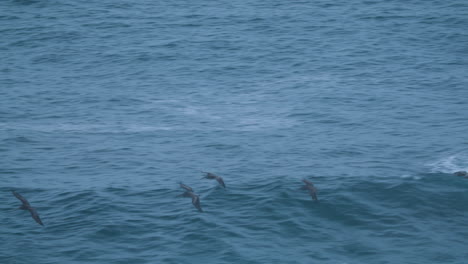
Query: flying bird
point(189, 193)
point(212, 176)
point(195, 199)
point(309, 186)
point(27, 206)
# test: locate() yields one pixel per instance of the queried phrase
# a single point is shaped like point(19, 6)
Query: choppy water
point(106, 105)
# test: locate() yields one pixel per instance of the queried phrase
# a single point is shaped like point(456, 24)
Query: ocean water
point(106, 106)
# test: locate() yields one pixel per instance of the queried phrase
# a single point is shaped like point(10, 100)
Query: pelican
point(27, 206)
point(195, 199)
point(189, 193)
point(212, 176)
point(310, 187)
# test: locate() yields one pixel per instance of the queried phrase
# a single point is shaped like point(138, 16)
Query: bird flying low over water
point(195, 199)
point(27, 206)
point(212, 176)
point(309, 186)
point(189, 193)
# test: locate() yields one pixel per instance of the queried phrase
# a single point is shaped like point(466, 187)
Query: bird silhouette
point(195, 199)
point(212, 176)
point(189, 193)
point(309, 186)
point(27, 206)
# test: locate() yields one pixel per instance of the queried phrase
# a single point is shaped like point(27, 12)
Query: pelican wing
point(21, 198)
point(314, 196)
point(196, 202)
point(307, 182)
point(220, 180)
point(209, 175)
point(313, 193)
point(35, 216)
point(186, 187)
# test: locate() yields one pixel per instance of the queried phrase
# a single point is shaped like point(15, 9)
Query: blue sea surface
point(106, 106)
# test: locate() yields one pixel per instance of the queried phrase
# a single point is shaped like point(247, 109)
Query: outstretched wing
point(209, 175)
point(307, 182)
point(313, 193)
point(186, 187)
point(35, 216)
point(196, 202)
point(21, 198)
point(220, 180)
point(314, 196)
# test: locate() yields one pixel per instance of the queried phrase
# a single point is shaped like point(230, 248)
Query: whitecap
point(410, 176)
point(450, 164)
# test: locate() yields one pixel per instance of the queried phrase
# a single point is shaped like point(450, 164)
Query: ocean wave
point(451, 163)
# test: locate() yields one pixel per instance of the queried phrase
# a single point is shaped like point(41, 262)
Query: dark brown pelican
point(461, 173)
point(27, 206)
point(189, 193)
point(212, 176)
point(195, 199)
point(310, 187)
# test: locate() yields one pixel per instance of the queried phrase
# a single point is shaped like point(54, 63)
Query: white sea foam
point(450, 164)
point(410, 176)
